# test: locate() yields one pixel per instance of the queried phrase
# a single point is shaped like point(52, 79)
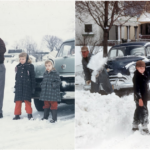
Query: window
point(67, 49)
point(113, 53)
point(120, 53)
point(88, 27)
point(148, 51)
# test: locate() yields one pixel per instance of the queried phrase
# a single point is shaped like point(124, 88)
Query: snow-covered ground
point(106, 122)
point(35, 134)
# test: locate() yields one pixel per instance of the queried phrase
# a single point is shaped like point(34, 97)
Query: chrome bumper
point(117, 83)
point(123, 82)
point(67, 95)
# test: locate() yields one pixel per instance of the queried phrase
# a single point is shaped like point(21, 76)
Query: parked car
point(121, 63)
point(65, 65)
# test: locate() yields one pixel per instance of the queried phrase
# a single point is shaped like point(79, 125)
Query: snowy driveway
point(105, 121)
point(35, 134)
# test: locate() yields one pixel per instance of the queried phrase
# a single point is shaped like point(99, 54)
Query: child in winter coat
point(140, 82)
point(24, 86)
point(50, 93)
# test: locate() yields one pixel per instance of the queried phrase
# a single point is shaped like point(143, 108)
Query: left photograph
point(37, 70)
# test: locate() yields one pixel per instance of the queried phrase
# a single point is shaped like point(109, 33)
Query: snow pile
point(106, 122)
point(33, 134)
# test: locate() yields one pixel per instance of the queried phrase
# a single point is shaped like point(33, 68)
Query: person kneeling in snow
point(50, 93)
point(24, 86)
point(140, 85)
point(101, 76)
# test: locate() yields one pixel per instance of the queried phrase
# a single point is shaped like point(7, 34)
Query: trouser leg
point(54, 106)
point(28, 107)
point(2, 85)
point(18, 108)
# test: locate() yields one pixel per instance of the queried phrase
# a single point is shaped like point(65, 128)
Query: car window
point(127, 51)
point(137, 51)
point(120, 53)
point(67, 49)
point(148, 50)
point(113, 53)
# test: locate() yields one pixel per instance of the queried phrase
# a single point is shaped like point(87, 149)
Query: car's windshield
point(127, 51)
point(67, 49)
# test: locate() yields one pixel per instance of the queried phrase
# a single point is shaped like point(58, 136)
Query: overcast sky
point(36, 19)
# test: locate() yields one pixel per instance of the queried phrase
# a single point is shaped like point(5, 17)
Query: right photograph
point(112, 76)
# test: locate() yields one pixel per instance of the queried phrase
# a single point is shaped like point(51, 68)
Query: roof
point(133, 43)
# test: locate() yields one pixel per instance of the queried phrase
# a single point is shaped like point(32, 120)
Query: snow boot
point(54, 116)
point(46, 113)
point(145, 130)
point(17, 117)
point(135, 127)
point(1, 115)
point(30, 116)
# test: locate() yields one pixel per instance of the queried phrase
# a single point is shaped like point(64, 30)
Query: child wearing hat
point(140, 85)
point(50, 91)
point(24, 85)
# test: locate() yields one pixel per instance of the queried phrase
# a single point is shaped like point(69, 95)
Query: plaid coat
point(25, 82)
point(50, 86)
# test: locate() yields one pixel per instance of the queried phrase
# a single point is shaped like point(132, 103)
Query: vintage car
point(121, 63)
point(64, 64)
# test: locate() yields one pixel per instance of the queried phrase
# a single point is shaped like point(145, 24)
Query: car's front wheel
point(38, 104)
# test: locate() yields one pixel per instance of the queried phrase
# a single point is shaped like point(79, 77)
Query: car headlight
point(132, 69)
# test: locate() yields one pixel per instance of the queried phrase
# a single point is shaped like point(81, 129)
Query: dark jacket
point(140, 86)
point(50, 86)
point(2, 51)
point(87, 71)
point(25, 82)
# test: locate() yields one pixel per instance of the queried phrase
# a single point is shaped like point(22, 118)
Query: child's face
point(48, 66)
point(140, 69)
point(22, 60)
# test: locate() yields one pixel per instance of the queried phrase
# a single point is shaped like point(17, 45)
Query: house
point(135, 29)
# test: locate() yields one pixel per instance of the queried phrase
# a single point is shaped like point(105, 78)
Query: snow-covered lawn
point(35, 134)
point(106, 122)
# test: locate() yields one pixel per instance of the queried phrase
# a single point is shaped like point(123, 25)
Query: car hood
point(62, 65)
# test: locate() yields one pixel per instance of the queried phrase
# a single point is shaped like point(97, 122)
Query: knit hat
point(140, 63)
point(52, 61)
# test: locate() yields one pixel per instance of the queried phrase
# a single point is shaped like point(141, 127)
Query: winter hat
point(51, 61)
point(140, 63)
point(84, 48)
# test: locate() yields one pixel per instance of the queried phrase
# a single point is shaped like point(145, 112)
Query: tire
point(39, 104)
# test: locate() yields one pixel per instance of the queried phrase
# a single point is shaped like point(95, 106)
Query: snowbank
point(33, 134)
point(106, 122)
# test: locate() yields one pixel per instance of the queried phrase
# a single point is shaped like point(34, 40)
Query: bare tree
point(52, 42)
point(106, 13)
point(88, 40)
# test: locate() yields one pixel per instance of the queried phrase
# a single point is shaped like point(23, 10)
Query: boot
point(30, 116)
point(17, 117)
point(135, 127)
point(145, 129)
point(54, 116)
point(46, 113)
